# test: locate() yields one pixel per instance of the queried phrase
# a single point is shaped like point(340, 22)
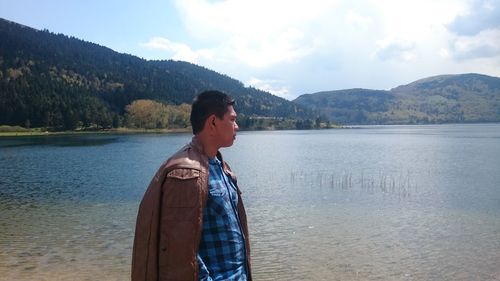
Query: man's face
point(226, 128)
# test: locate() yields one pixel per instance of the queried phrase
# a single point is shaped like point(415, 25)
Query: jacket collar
point(196, 145)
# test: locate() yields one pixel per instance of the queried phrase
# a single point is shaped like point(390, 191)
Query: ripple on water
point(67, 242)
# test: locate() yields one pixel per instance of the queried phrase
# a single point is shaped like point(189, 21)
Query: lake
point(365, 203)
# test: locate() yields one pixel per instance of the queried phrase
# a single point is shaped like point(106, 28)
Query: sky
point(289, 47)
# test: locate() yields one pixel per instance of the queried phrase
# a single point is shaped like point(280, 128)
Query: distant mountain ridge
point(461, 98)
point(53, 80)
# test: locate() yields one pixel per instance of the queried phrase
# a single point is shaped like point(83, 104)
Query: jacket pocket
point(183, 174)
point(180, 189)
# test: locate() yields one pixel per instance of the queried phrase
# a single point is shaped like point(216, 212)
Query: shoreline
point(38, 132)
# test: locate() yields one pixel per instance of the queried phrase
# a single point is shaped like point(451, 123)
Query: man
point(191, 223)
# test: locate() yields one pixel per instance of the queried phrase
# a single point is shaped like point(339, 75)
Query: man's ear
point(211, 120)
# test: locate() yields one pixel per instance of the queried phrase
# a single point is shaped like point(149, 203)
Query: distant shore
point(17, 131)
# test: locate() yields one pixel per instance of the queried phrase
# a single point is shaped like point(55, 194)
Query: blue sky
point(289, 47)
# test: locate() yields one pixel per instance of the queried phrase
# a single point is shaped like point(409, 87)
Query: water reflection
point(76, 140)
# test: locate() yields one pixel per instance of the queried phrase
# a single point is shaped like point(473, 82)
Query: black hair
point(206, 104)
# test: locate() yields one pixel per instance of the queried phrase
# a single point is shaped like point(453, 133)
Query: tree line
point(60, 82)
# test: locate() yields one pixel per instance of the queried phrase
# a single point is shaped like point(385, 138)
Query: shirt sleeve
point(203, 274)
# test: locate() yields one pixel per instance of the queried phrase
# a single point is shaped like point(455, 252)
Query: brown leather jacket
point(169, 221)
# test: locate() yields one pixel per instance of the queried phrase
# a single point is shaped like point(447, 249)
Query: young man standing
point(191, 223)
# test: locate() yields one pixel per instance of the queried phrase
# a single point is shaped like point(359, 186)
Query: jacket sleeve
point(145, 249)
point(181, 224)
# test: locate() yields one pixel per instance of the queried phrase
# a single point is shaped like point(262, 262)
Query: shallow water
point(371, 203)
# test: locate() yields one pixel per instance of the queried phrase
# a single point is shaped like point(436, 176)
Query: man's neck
point(209, 148)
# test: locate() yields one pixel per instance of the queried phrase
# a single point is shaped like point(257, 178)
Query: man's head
point(212, 113)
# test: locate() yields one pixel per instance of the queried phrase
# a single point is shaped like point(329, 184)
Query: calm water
point(371, 203)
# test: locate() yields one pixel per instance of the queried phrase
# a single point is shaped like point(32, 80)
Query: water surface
point(370, 203)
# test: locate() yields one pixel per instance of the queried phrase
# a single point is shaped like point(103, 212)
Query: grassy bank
point(8, 131)
point(18, 131)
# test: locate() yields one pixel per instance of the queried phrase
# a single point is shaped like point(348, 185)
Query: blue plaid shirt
point(221, 255)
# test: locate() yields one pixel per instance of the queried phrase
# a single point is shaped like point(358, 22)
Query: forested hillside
point(463, 98)
point(63, 83)
point(52, 80)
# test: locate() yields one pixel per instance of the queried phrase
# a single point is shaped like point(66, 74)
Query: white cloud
point(481, 15)
point(357, 19)
point(271, 86)
point(178, 51)
point(254, 33)
point(483, 45)
point(279, 49)
point(395, 49)
point(444, 53)
point(477, 32)
point(294, 47)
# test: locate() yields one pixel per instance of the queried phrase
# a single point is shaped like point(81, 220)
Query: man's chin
point(230, 143)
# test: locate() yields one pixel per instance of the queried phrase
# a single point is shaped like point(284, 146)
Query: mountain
point(52, 80)
point(462, 98)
